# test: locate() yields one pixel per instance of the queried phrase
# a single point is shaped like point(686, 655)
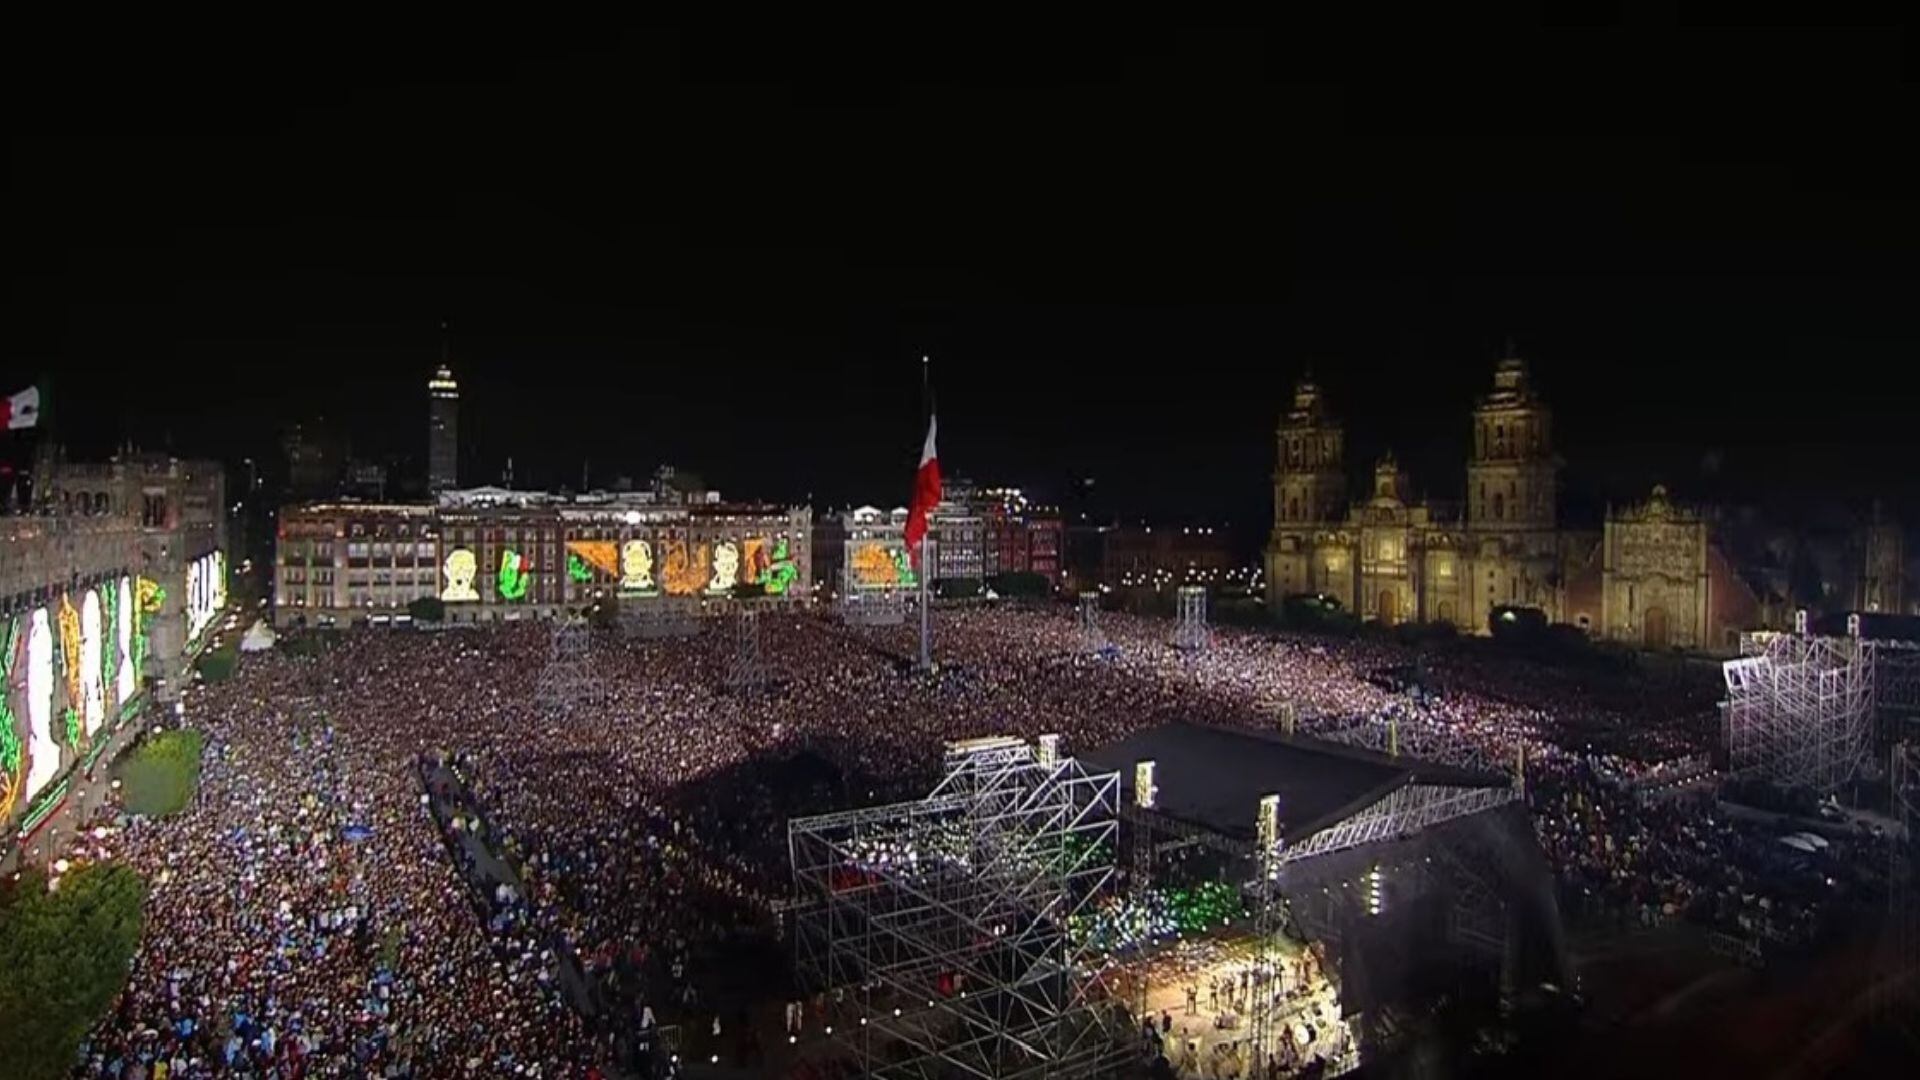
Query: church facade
point(1650, 577)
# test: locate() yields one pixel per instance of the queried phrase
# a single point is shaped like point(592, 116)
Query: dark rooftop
point(1214, 777)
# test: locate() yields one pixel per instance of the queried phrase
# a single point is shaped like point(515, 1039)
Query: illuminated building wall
point(93, 704)
point(44, 746)
point(78, 645)
point(531, 554)
point(1650, 580)
point(206, 593)
point(863, 550)
point(1020, 537)
point(126, 677)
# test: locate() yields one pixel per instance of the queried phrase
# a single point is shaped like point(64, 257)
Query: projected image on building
point(93, 706)
point(636, 567)
point(459, 569)
point(684, 567)
point(877, 565)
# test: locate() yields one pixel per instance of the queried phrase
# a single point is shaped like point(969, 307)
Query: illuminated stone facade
point(1394, 559)
point(492, 554)
point(98, 588)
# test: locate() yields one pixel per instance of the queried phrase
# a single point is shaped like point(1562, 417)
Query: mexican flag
point(21, 410)
point(926, 494)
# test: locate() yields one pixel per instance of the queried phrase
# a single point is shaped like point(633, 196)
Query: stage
point(1199, 997)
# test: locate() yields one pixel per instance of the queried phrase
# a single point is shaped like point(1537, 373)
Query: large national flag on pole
point(926, 494)
point(22, 410)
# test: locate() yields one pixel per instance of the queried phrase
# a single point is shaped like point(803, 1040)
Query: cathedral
point(1652, 576)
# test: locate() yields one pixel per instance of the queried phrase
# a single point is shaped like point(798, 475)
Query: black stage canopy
point(1213, 777)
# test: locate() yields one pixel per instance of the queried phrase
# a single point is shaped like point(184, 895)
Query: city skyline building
point(443, 427)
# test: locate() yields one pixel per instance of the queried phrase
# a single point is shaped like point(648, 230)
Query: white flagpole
point(926, 542)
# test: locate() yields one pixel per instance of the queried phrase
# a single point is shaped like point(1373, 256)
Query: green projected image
point(781, 572)
point(514, 575)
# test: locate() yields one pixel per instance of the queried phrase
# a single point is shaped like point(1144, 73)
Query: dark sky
point(1120, 250)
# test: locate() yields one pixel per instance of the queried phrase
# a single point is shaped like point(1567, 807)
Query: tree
point(66, 954)
point(159, 775)
point(1021, 584)
point(215, 665)
point(957, 588)
point(427, 609)
point(604, 613)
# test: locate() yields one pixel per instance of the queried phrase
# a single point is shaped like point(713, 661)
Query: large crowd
point(309, 916)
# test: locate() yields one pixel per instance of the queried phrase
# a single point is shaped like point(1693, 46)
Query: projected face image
point(726, 566)
point(460, 568)
point(636, 566)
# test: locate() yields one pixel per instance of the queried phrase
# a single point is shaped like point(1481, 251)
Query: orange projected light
point(602, 555)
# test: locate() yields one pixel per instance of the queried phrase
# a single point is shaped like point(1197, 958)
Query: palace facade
point(1651, 576)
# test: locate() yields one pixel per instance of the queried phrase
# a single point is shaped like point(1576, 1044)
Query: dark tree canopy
point(66, 955)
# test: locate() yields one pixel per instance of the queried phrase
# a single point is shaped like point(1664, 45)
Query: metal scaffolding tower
point(1190, 633)
point(1898, 999)
point(937, 930)
point(1092, 638)
point(569, 679)
point(1800, 709)
point(870, 606)
point(747, 671)
point(1268, 920)
point(653, 618)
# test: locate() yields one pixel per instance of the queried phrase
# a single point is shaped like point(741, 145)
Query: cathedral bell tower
point(1309, 479)
point(1309, 497)
point(1511, 473)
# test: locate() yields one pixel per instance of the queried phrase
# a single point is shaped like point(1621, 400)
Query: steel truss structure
point(1190, 633)
point(1407, 810)
point(654, 618)
point(1896, 689)
point(937, 929)
point(1800, 709)
point(570, 678)
point(871, 607)
point(1092, 638)
point(1277, 865)
point(747, 670)
point(1425, 742)
point(1898, 998)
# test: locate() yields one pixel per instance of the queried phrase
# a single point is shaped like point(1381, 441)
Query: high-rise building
point(443, 430)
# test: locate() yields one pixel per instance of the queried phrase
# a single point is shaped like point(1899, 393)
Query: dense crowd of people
point(310, 917)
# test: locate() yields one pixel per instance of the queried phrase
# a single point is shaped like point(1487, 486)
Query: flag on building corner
point(22, 410)
point(926, 494)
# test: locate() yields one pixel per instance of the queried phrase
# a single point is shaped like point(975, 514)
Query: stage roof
point(1214, 777)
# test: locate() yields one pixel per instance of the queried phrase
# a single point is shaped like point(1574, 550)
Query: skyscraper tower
point(443, 425)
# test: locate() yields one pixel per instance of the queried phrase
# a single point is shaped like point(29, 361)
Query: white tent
point(258, 638)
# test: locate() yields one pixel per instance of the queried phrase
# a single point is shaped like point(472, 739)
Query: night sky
point(1120, 251)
